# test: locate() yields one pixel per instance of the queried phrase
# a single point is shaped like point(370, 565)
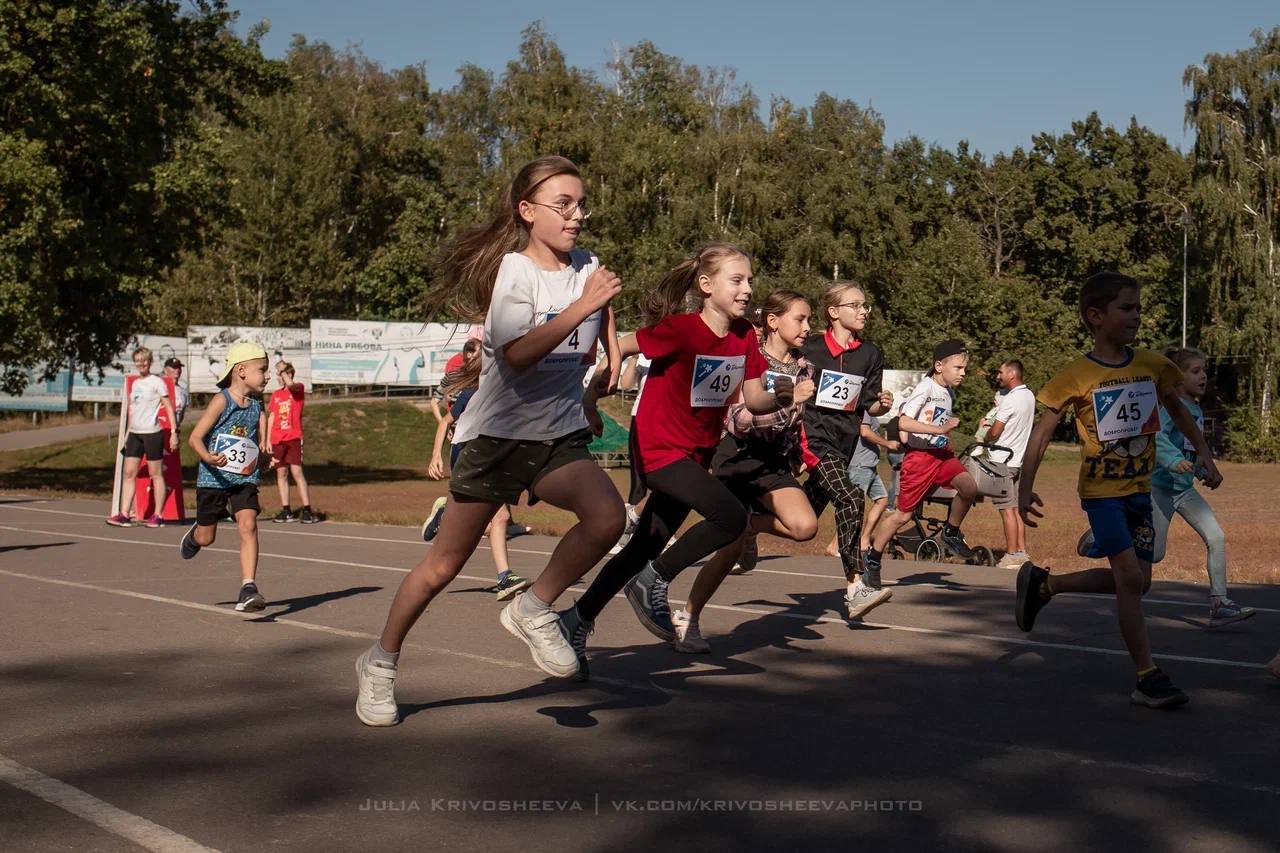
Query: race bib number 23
point(1125, 411)
point(839, 391)
point(715, 378)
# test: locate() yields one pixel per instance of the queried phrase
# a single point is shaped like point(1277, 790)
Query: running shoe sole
point(518, 586)
point(1174, 701)
point(635, 596)
point(1029, 603)
point(867, 605)
point(505, 619)
point(253, 604)
point(189, 546)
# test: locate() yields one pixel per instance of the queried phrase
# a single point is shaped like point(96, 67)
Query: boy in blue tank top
point(229, 439)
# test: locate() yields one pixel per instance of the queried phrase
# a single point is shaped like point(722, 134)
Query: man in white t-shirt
point(147, 396)
point(1011, 428)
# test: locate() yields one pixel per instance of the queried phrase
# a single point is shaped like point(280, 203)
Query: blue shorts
point(1119, 524)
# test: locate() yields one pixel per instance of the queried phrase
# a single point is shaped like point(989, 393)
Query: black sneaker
point(190, 547)
point(1155, 690)
point(250, 599)
point(575, 632)
point(309, 517)
point(647, 593)
point(284, 516)
point(1030, 600)
point(431, 526)
point(955, 543)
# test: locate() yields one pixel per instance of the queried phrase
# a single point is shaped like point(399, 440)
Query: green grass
point(345, 443)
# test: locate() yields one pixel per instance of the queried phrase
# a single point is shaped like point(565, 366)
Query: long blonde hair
point(683, 280)
point(470, 263)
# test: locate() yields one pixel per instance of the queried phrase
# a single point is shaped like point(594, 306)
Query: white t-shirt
point(929, 403)
point(144, 403)
point(642, 373)
point(1017, 410)
point(543, 402)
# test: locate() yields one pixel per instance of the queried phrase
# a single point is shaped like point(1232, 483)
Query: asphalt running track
point(141, 712)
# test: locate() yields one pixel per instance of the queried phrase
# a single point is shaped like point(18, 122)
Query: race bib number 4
point(839, 391)
point(715, 378)
point(241, 453)
point(576, 351)
point(1125, 411)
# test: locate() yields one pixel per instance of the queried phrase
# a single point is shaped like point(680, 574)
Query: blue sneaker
point(190, 547)
point(431, 526)
point(647, 592)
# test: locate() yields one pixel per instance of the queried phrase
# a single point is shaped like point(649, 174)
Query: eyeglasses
point(567, 209)
point(856, 306)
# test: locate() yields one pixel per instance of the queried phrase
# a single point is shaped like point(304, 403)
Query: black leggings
point(674, 490)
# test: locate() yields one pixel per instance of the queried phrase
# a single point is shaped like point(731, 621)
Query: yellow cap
point(243, 351)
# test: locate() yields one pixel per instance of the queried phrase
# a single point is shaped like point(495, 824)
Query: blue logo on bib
point(1104, 400)
point(828, 379)
point(704, 367)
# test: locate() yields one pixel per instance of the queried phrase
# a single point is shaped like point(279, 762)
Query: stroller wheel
point(929, 551)
point(982, 556)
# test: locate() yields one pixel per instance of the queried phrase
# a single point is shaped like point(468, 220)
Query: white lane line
point(1001, 640)
point(129, 826)
point(833, 578)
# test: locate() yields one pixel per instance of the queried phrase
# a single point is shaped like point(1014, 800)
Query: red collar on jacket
point(833, 346)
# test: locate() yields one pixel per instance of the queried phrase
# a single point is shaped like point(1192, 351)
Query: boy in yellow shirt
point(1116, 392)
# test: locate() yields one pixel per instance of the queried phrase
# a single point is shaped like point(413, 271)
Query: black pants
point(674, 491)
point(830, 483)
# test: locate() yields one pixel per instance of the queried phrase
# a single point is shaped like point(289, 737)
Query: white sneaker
point(376, 696)
point(542, 634)
point(688, 638)
point(750, 555)
point(1013, 560)
point(865, 598)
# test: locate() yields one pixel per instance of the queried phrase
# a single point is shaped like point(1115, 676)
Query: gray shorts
point(1012, 501)
point(869, 481)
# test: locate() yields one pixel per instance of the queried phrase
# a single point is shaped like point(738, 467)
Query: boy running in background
point(284, 437)
point(228, 439)
point(1116, 392)
point(925, 423)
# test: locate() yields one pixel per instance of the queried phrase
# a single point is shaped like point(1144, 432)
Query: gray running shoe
point(576, 630)
point(647, 592)
point(1226, 611)
point(865, 598)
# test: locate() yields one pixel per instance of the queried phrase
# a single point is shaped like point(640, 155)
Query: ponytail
point(682, 282)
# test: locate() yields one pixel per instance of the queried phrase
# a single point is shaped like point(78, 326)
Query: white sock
point(529, 605)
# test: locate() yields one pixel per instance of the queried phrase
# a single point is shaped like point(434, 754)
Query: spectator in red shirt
point(284, 436)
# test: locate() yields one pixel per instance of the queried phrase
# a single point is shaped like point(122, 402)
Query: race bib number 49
point(839, 391)
point(1125, 411)
point(576, 351)
point(715, 378)
point(241, 453)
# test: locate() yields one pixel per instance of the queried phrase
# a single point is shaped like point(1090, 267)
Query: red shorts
point(288, 452)
point(921, 471)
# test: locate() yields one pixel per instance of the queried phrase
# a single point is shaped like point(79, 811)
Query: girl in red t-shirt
point(699, 362)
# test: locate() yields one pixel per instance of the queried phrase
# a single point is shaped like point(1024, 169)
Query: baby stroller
point(920, 540)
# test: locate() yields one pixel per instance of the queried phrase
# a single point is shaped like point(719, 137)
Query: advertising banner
point(359, 352)
point(208, 345)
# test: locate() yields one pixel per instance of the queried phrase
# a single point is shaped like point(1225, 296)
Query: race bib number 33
point(1125, 411)
point(241, 453)
point(715, 378)
point(839, 391)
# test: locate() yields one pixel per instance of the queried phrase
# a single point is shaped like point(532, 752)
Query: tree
point(1235, 110)
point(101, 151)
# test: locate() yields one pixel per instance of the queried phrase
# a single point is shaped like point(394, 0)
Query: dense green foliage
point(335, 195)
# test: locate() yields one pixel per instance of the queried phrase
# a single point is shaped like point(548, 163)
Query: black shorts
point(638, 487)
point(751, 469)
point(148, 444)
point(498, 470)
point(211, 504)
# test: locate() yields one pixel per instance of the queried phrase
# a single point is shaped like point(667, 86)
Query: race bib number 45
point(715, 378)
point(1125, 411)
point(241, 453)
point(576, 351)
point(839, 391)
